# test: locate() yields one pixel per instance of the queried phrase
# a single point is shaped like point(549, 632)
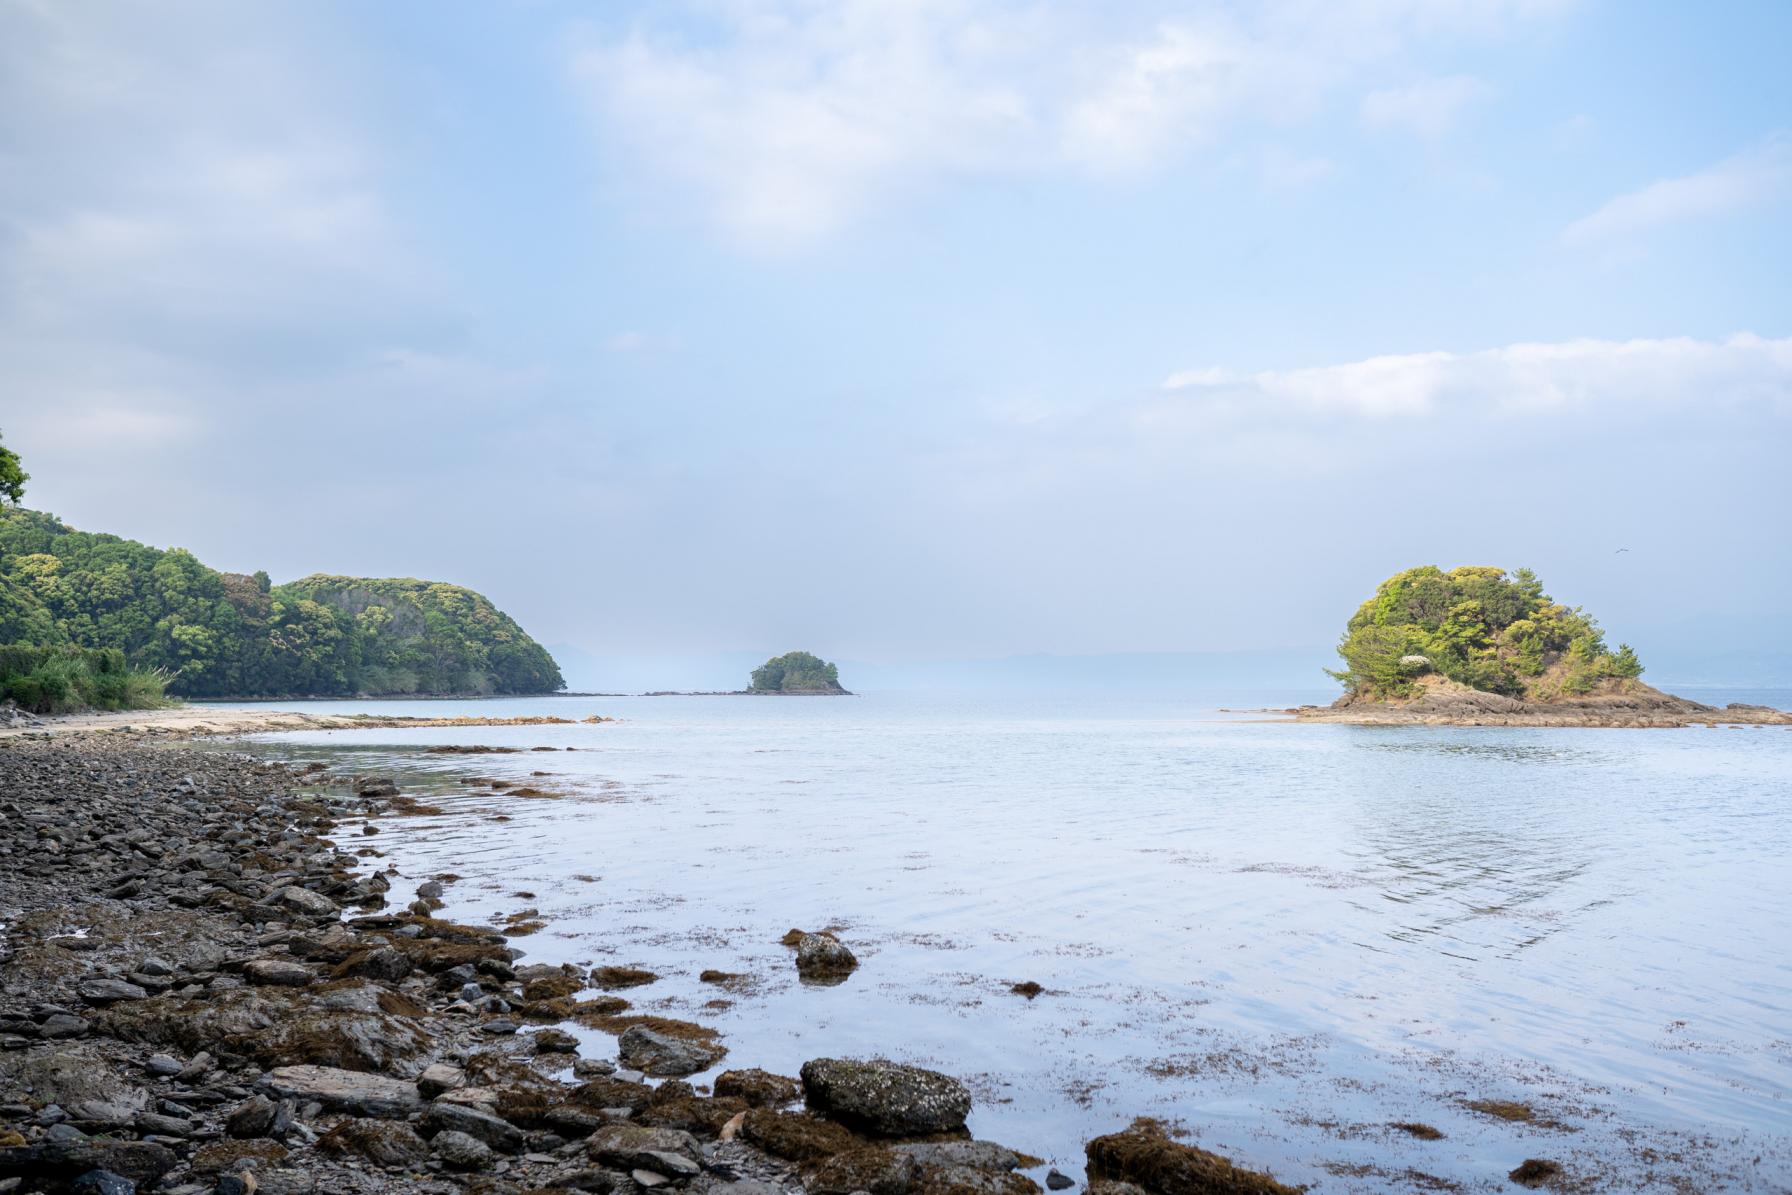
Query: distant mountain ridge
point(236, 635)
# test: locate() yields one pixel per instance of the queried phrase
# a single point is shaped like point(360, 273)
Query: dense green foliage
point(1479, 627)
point(54, 680)
point(227, 634)
point(796, 672)
point(12, 476)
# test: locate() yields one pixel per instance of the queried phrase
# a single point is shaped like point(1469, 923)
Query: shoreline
point(204, 991)
point(192, 721)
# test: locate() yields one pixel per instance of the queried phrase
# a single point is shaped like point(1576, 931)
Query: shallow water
point(1283, 937)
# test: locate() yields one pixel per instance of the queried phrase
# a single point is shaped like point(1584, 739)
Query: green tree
point(12, 476)
point(796, 672)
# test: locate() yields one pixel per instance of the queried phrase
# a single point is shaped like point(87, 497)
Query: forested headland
point(207, 633)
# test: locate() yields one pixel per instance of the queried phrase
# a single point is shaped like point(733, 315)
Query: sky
point(916, 329)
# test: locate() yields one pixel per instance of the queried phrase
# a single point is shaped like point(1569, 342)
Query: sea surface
point(1283, 939)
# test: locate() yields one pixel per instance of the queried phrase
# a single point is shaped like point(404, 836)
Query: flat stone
point(629, 1145)
point(347, 1091)
point(109, 991)
point(271, 972)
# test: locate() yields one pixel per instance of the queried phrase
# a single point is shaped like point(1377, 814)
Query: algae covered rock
point(1145, 1157)
point(662, 1055)
point(886, 1098)
point(823, 956)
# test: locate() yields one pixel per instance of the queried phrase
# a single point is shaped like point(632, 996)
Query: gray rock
point(155, 966)
point(254, 1117)
point(347, 1091)
point(819, 956)
point(62, 1025)
point(304, 902)
point(461, 1150)
point(555, 1041)
point(270, 972)
point(886, 1098)
point(102, 1182)
point(655, 1053)
point(108, 991)
point(628, 1146)
point(1057, 1180)
point(593, 1068)
point(974, 1155)
point(439, 1077)
point(142, 1162)
point(500, 1134)
point(163, 1066)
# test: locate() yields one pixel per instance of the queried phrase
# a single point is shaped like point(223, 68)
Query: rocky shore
point(203, 990)
point(1439, 701)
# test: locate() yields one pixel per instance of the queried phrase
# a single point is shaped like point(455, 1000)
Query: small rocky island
point(1478, 647)
point(797, 673)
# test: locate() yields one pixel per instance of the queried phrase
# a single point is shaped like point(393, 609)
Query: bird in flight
point(1621, 550)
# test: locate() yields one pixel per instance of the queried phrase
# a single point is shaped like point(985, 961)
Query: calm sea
point(1282, 938)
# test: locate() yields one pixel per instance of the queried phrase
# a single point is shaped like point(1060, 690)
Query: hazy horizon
point(910, 333)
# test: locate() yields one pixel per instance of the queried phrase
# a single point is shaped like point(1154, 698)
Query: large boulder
point(448, 1116)
point(1145, 1156)
point(79, 1080)
point(886, 1098)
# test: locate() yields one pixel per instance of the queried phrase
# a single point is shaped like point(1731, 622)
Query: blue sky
point(931, 328)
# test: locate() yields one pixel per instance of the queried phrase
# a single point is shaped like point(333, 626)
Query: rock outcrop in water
point(1475, 646)
point(797, 673)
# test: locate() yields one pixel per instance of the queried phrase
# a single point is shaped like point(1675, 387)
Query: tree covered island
point(796, 672)
point(1479, 646)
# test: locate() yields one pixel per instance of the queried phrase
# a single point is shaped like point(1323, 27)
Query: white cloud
point(1516, 379)
point(1755, 176)
point(1428, 108)
point(783, 121)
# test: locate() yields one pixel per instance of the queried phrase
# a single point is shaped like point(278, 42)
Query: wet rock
point(628, 1146)
point(820, 956)
point(555, 1041)
point(375, 786)
point(867, 1168)
point(462, 1150)
point(692, 1114)
point(277, 973)
point(796, 1136)
point(886, 1098)
point(347, 1091)
point(1057, 1180)
point(1145, 1156)
point(1535, 1172)
point(382, 962)
point(593, 1068)
point(382, 1142)
point(654, 1053)
point(610, 978)
point(761, 1089)
point(494, 1131)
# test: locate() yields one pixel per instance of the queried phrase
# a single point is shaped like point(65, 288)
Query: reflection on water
point(1287, 938)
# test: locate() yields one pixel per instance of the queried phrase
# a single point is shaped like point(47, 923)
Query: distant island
point(797, 673)
point(95, 620)
point(1476, 646)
